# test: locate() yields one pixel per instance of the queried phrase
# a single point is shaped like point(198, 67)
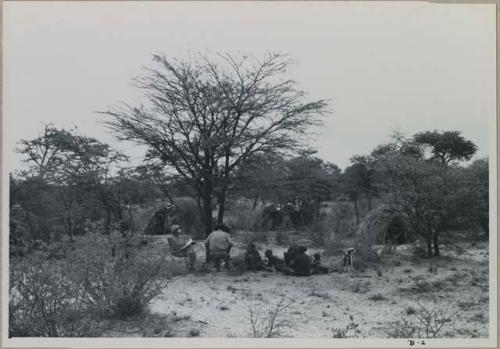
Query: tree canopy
point(206, 116)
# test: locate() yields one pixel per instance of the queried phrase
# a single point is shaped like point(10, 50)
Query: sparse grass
point(360, 287)
point(315, 293)
point(423, 322)
point(271, 323)
point(377, 297)
point(350, 331)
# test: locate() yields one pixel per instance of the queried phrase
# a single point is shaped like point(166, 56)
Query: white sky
point(385, 65)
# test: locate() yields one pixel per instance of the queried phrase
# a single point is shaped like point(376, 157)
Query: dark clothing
point(301, 265)
point(290, 254)
point(253, 261)
point(220, 255)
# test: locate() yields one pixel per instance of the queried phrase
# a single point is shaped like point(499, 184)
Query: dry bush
point(360, 287)
point(95, 276)
point(350, 331)
point(377, 297)
point(423, 322)
point(44, 303)
point(117, 274)
point(270, 323)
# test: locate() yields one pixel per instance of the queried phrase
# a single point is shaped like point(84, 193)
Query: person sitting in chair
point(182, 246)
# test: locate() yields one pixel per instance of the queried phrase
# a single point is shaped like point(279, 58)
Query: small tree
point(206, 117)
point(70, 167)
point(428, 190)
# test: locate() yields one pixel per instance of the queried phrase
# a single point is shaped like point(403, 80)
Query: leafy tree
point(430, 194)
point(68, 168)
point(446, 147)
point(206, 117)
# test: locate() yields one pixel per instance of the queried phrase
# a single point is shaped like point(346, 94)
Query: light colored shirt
point(219, 240)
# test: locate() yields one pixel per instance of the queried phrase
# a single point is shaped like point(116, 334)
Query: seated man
point(316, 266)
point(218, 245)
point(253, 261)
point(290, 254)
point(301, 264)
point(273, 261)
point(182, 245)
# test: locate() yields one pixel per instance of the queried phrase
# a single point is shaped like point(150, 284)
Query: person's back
point(301, 264)
point(219, 240)
point(290, 254)
point(218, 245)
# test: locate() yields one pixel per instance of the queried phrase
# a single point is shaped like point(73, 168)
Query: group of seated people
point(218, 245)
point(296, 261)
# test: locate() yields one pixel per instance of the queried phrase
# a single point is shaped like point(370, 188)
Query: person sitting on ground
point(316, 266)
point(290, 254)
point(253, 260)
point(273, 261)
point(182, 246)
point(218, 245)
point(301, 264)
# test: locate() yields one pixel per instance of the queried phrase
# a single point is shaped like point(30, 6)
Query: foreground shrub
point(97, 276)
point(422, 322)
point(116, 274)
point(44, 303)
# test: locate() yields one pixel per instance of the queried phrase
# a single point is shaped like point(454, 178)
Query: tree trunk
point(207, 205)
point(318, 206)
point(356, 211)
point(221, 201)
point(436, 244)
point(429, 246)
point(255, 202)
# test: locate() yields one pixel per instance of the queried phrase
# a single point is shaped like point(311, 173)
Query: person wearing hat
point(182, 246)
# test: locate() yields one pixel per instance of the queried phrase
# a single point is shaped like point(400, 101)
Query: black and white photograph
point(249, 173)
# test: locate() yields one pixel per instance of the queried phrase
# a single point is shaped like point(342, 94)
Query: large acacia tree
point(207, 115)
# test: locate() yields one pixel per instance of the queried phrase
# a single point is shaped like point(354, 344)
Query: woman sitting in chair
point(182, 246)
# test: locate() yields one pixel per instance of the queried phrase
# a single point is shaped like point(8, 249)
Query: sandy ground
point(217, 304)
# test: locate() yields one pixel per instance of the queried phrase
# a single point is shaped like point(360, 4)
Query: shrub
point(350, 331)
point(423, 322)
point(116, 274)
point(377, 297)
point(44, 303)
point(267, 324)
point(93, 276)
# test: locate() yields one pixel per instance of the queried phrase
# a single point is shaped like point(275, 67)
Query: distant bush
point(248, 237)
point(246, 218)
